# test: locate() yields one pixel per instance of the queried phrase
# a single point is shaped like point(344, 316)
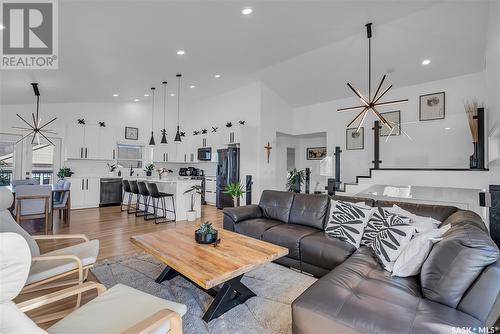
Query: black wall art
point(131, 133)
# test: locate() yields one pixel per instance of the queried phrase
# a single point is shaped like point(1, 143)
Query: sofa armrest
point(235, 215)
point(241, 213)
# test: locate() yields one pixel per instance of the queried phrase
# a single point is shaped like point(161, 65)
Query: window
point(42, 163)
point(129, 156)
point(6, 161)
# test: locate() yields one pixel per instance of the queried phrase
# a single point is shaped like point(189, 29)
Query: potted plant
point(235, 190)
point(64, 172)
point(194, 191)
point(294, 180)
point(206, 234)
point(4, 179)
point(149, 169)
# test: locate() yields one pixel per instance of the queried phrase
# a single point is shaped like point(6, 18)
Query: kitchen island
point(176, 186)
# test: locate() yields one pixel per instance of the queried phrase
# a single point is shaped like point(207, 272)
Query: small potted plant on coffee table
point(205, 234)
point(194, 191)
point(235, 190)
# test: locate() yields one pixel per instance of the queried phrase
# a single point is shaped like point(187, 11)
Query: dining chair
point(49, 269)
point(61, 201)
point(33, 202)
point(121, 309)
point(24, 182)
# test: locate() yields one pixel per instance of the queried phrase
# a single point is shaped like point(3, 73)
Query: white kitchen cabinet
point(160, 153)
point(210, 194)
point(88, 141)
point(232, 135)
point(85, 192)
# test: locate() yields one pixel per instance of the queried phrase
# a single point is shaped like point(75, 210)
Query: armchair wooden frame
point(143, 327)
point(49, 283)
point(45, 215)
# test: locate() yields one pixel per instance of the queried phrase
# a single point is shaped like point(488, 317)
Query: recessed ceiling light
point(447, 128)
point(2, 27)
point(136, 100)
point(115, 95)
point(181, 52)
point(246, 11)
point(426, 62)
point(192, 86)
point(217, 75)
point(146, 95)
point(172, 94)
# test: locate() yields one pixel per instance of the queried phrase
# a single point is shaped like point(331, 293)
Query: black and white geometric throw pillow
point(391, 239)
point(347, 222)
point(377, 220)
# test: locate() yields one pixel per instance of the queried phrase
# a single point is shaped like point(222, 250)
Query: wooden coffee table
point(207, 266)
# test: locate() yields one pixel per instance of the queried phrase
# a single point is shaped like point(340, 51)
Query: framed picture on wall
point(394, 119)
point(431, 106)
point(355, 140)
point(131, 133)
point(316, 153)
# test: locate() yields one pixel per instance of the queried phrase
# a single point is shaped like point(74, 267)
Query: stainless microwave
point(205, 154)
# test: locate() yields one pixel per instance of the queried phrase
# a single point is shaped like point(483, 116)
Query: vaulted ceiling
point(304, 50)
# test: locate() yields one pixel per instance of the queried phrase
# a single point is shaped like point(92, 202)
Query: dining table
point(55, 191)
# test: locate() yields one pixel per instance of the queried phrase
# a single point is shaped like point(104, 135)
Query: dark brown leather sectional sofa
point(458, 286)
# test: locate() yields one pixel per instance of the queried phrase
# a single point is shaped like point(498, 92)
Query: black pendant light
point(164, 131)
point(152, 140)
point(178, 134)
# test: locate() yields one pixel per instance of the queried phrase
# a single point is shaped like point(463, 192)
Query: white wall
point(493, 89)
point(432, 145)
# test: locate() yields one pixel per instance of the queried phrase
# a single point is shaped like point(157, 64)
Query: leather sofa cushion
point(276, 204)
point(325, 252)
point(455, 262)
point(255, 228)
point(288, 235)
point(241, 213)
point(358, 296)
point(353, 199)
point(309, 210)
point(465, 216)
point(438, 212)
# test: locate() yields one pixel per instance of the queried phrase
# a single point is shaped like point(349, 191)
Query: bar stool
point(158, 197)
point(144, 194)
point(126, 190)
point(134, 189)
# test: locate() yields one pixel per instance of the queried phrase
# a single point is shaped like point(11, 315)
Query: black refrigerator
point(228, 171)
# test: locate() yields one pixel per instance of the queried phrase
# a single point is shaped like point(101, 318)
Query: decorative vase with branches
point(294, 180)
point(235, 190)
point(471, 112)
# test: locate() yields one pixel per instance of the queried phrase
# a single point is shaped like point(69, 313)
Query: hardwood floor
point(113, 229)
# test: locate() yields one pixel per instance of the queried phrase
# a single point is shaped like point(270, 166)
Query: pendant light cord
point(178, 99)
point(152, 107)
point(164, 104)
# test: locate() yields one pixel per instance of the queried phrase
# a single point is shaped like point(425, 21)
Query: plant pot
point(297, 186)
point(205, 238)
point(148, 173)
point(111, 174)
point(236, 201)
point(191, 215)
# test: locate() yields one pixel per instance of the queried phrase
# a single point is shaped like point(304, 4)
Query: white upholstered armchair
point(120, 309)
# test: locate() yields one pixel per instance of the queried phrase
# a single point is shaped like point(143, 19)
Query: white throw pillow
point(422, 224)
point(347, 221)
point(389, 235)
point(415, 253)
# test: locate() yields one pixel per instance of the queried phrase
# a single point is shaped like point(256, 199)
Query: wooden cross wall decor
point(268, 147)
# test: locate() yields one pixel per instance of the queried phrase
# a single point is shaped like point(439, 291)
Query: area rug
point(276, 288)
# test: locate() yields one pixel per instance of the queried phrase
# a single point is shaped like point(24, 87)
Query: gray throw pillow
point(455, 262)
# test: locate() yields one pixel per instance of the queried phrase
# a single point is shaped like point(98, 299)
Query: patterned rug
point(269, 312)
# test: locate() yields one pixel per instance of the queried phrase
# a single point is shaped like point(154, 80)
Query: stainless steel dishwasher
point(111, 191)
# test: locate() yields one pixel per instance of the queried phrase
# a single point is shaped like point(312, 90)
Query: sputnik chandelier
point(36, 129)
point(372, 102)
